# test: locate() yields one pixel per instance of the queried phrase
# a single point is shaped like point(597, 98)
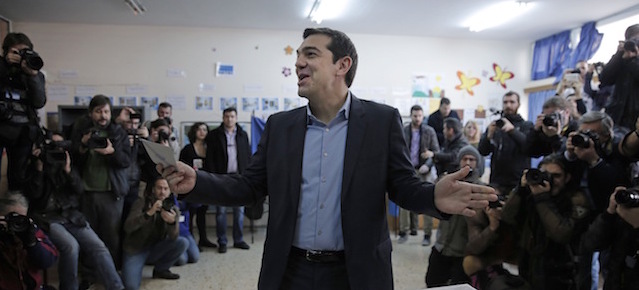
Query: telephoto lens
point(628, 197)
point(581, 140)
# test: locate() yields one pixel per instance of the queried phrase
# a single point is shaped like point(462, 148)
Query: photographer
point(101, 155)
point(24, 249)
point(130, 121)
point(54, 191)
point(617, 229)
point(505, 138)
point(622, 71)
point(551, 128)
point(593, 155)
point(550, 217)
point(165, 111)
point(21, 94)
point(151, 236)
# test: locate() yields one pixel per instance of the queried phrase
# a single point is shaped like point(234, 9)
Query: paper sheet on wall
point(178, 102)
point(85, 91)
point(58, 93)
point(159, 153)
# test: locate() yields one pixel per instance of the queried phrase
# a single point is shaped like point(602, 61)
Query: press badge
point(181, 219)
point(12, 95)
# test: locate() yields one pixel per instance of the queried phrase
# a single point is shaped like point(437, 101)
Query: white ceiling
point(435, 18)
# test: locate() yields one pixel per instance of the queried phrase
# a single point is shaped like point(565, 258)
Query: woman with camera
point(21, 94)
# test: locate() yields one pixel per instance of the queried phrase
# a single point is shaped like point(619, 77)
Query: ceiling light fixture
point(136, 6)
point(326, 9)
point(496, 15)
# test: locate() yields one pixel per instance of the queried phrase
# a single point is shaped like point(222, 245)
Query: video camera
point(53, 152)
point(32, 59)
point(628, 197)
point(582, 139)
point(98, 139)
point(499, 123)
point(535, 176)
point(16, 223)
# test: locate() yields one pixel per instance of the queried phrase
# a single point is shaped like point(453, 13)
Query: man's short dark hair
point(595, 116)
point(631, 31)
point(341, 46)
point(228, 110)
point(453, 123)
point(159, 123)
point(165, 105)
point(416, 108)
point(99, 101)
point(554, 158)
point(444, 101)
point(512, 93)
point(15, 38)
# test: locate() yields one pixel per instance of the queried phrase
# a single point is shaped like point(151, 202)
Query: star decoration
point(288, 50)
point(286, 71)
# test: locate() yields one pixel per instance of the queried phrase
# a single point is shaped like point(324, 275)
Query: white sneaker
point(402, 239)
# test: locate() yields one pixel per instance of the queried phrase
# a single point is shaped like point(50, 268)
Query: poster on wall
point(270, 104)
point(150, 102)
point(82, 100)
point(228, 102)
point(291, 103)
point(203, 103)
point(178, 102)
point(224, 69)
point(250, 104)
point(128, 101)
point(427, 85)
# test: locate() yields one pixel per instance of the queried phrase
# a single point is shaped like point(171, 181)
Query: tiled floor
point(239, 269)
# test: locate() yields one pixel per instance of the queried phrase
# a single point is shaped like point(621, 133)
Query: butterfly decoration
point(467, 83)
point(501, 75)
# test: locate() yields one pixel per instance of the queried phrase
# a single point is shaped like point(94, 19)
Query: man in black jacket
point(551, 128)
point(228, 152)
point(622, 71)
point(101, 155)
point(21, 94)
point(436, 119)
point(506, 140)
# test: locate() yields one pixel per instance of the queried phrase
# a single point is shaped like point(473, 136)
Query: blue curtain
point(257, 128)
point(589, 42)
point(549, 55)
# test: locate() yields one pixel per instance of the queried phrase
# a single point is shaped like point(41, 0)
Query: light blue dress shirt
point(319, 215)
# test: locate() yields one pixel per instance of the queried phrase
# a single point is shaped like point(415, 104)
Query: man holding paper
point(327, 189)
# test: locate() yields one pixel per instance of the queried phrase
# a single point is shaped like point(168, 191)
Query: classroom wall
point(149, 61)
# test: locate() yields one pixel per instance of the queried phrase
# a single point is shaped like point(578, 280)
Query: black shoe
point(413, 232)
point(241, 245)
point(221, 249)
point(165, 274)
point(206, 244)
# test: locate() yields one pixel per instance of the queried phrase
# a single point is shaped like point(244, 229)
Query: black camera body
point(16, 223)
point(582, 139)
point(499, 123)
point(97, 139)
point(168, 203)
point(628, 197)
point(54, 152)
point(630, 45)
point(497, 203)
point(164, 136)
point(535, 176)
point(32, 59)
point(552, 120)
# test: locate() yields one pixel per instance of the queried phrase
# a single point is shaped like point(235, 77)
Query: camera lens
point(500, 123)
point(581, 140)
point(627, 198)
point(550, 120)
point(535, 176)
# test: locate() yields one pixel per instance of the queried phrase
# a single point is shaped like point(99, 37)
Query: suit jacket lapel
point(354, 141)
point(295, 135)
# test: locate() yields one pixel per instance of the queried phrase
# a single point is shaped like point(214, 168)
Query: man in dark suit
point(228, 151)
point(327, 189)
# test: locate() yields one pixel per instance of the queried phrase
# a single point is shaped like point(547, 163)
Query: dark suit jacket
point(216, 155)
point(375, 162)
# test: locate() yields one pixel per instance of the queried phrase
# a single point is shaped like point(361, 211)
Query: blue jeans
point(238, 224)
point(70, 240)
point(162, 254)
point(192, 253)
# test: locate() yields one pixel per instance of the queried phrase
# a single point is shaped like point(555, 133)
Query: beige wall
point(113, 57)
